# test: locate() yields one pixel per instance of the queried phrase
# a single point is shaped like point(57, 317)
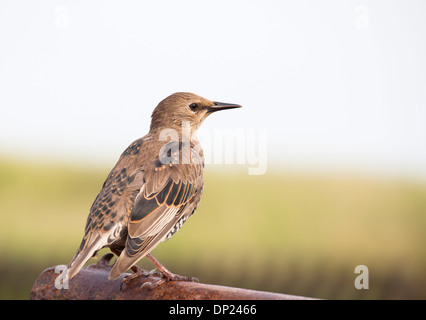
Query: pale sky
point(333, 83)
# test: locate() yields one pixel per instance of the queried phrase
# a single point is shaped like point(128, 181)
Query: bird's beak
point(217, 106)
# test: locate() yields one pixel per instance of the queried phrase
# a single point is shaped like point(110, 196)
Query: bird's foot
point(142, 272)
point(137, 272)
point(165, 277)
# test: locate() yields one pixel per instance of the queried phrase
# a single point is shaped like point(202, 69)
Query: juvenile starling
point(153, 189)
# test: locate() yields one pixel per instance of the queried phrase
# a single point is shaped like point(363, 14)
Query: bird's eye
point(193, 106)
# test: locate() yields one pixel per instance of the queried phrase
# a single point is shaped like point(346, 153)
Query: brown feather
point(152, 190)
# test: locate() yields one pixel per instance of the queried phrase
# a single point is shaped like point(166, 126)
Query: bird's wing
point(109, 213)
point(168, 195)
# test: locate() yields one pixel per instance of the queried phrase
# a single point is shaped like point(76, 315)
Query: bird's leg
point(167, 275)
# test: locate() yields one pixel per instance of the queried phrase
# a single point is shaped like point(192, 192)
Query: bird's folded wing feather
point(161, 202)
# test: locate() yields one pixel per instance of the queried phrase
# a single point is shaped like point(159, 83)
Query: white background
point(337, 84)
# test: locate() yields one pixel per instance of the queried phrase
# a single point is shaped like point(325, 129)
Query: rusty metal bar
point(92, 283)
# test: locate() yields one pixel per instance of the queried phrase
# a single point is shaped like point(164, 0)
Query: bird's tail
point(122, 263)
point(84, 253)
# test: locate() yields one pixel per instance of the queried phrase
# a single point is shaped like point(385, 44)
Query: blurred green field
point(281, 232)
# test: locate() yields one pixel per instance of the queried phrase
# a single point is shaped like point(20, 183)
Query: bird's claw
point(137, 272)
point(177, 277)
point(150, 285)
point(174, 277)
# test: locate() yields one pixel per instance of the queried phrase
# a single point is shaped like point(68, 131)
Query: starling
point(153, 189)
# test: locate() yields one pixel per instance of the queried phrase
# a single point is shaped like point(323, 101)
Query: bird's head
point(183, 108)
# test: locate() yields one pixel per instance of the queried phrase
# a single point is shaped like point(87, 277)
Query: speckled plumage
point(153, 189)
